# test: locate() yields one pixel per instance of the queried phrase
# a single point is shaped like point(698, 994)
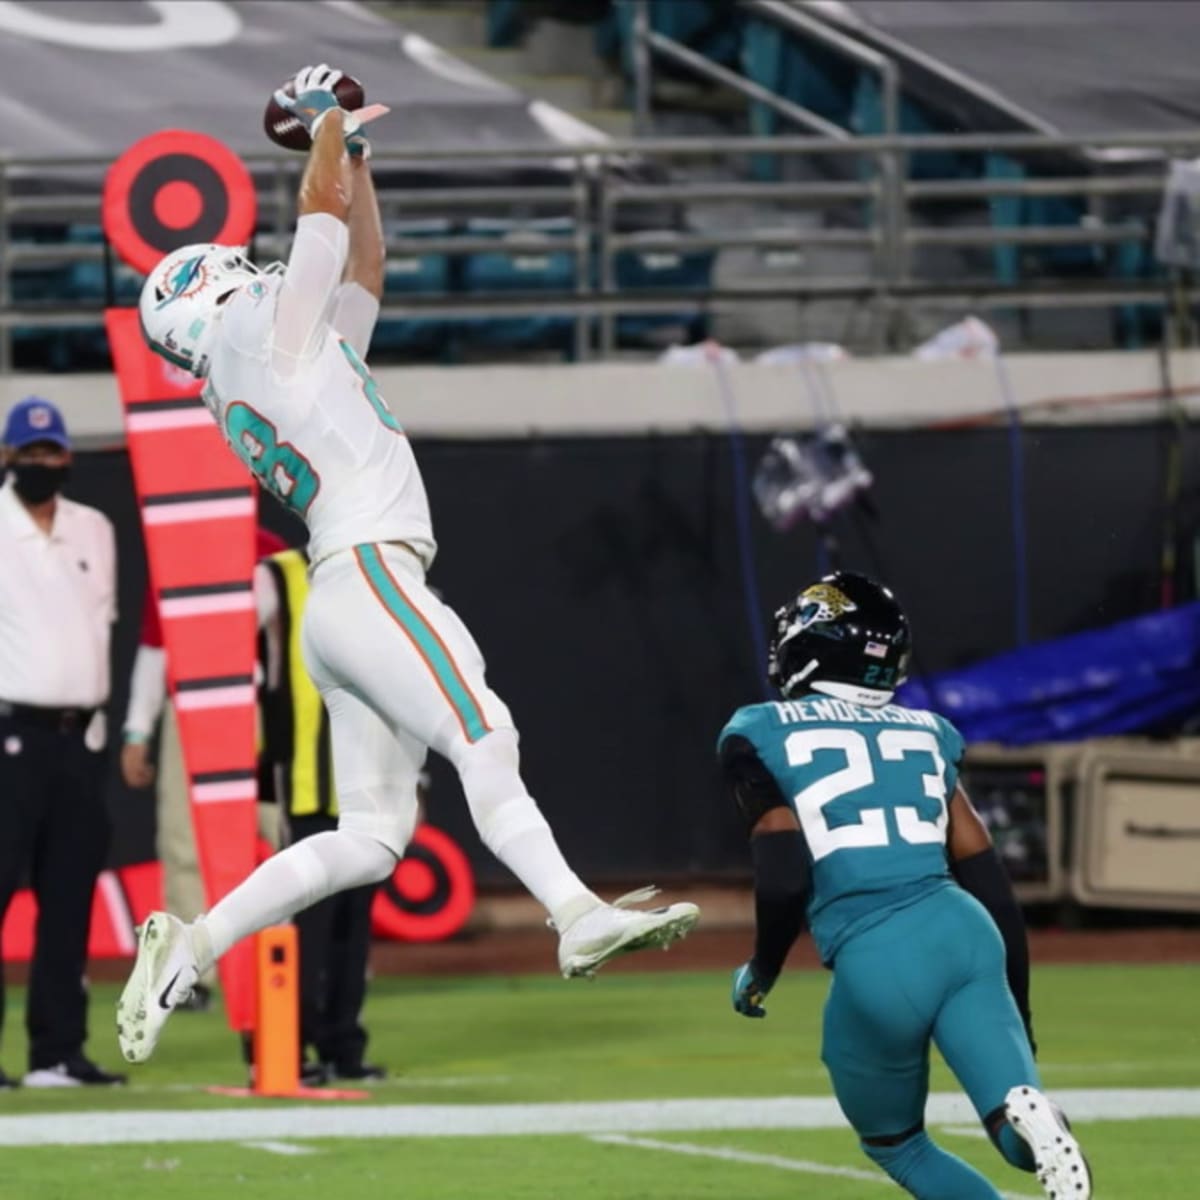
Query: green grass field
point(484, 1056)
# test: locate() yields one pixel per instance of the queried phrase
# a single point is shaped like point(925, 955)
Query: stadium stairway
point(561, 62)
point(555, 61)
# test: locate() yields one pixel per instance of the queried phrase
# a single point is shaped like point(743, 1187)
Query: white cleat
point(611, 929)
point(162, 977)
point(1061, 1168)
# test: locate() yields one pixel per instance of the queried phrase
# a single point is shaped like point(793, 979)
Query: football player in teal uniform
point(858, 824)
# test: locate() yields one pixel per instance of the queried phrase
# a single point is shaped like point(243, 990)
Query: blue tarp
point(1127, 678)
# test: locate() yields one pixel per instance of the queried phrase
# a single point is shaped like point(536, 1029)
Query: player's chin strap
point(640, 896)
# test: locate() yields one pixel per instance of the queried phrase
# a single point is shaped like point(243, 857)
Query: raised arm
point(318, 257)
point(327, 185)
point(365, 262)
point(356, 306)
point(978, 869)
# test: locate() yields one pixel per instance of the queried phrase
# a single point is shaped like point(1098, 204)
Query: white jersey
point(289, 388)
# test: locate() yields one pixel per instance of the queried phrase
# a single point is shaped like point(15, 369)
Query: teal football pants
point(933, 971)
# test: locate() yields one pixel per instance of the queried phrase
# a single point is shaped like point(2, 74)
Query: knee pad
point(381, 816)
point(341, 859)
point(500, 806)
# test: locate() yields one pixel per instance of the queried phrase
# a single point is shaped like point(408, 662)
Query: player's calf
point(926, 1171)
point(1061, 1167)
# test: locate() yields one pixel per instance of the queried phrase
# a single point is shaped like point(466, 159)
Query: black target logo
point(172, 189)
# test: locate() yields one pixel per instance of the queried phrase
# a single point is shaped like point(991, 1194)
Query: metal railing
point(601, 194)
point(648, 43)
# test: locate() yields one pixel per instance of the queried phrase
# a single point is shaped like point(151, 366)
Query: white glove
point(315, 98)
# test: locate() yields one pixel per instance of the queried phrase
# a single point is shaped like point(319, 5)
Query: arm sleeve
point(984, 876)
point(306, 297)
point(355, 312)
point(781, 868)
point(151, 633)
point(781, 882)
point(266, 595)
point(147, 692)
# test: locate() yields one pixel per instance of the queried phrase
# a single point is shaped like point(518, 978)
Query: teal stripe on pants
point(430, 646)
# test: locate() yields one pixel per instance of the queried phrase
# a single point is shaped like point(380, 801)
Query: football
point(288, 131)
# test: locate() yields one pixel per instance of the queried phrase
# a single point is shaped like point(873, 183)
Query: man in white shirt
point(57, 604)
point(281, 352)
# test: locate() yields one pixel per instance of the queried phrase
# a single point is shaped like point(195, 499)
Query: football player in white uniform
point(281, 351)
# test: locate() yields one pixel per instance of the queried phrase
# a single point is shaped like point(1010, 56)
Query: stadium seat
point(522, 262)
point(1124, 260)
point(408, 275)
point(88, 280)
point(661, 270)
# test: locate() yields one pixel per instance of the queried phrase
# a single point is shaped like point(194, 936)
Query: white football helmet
point(181, 300)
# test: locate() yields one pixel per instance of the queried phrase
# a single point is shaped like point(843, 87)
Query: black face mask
point(37, 482)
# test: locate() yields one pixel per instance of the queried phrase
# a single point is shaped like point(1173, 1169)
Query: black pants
point(54, 831)
point(335, 937)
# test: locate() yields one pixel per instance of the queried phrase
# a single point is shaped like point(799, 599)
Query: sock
point(535, 859)
point(928, 1173)
point(293, 879)
point(514, 830)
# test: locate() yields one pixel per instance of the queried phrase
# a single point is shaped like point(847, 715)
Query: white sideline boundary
point(287, 1123)
point(730, 1154)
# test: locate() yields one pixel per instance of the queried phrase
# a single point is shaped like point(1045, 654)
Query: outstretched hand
point(316, 96)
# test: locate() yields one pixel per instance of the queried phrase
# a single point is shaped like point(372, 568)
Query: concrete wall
point(615, 398)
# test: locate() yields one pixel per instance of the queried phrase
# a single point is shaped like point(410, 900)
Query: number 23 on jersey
point(841, 810)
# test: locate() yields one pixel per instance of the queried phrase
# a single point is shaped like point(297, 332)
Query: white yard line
point(729, 1154)
point(415, 1082)
point(967, 1131)
point(288, 1148)
point(1184, 1063)
point(354, 1120)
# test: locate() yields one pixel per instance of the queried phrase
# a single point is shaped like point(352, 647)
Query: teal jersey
point(871, 788)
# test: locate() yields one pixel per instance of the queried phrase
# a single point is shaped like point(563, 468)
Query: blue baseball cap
point(35, 420)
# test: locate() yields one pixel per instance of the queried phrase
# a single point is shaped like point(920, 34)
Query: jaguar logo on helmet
point(823, 602)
